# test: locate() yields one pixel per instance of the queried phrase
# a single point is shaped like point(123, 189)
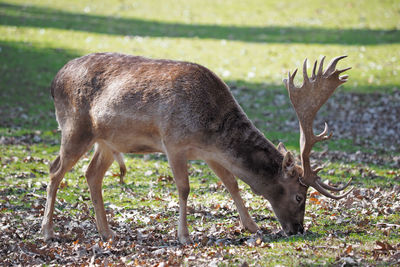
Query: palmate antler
point(307, 100)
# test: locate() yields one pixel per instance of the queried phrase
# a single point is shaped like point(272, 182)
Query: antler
point(307, 100)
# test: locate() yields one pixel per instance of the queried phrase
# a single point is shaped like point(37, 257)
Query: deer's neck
point(251, 156)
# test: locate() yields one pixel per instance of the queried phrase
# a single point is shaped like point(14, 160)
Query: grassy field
point(251, 45)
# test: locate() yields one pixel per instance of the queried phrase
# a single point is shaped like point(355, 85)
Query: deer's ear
point(281, 148)
point(288, 163)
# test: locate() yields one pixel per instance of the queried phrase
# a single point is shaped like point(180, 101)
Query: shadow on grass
point(280, 238)
point(32, 16)
point(267, 237)
point(26, 73)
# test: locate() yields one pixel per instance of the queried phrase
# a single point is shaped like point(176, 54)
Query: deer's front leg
point(178, 163)
point(231, 184)
point(98, 166)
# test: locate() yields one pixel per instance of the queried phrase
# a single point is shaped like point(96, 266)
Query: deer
point(130, 104)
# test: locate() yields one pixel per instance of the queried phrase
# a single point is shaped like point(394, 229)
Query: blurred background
point(251, 45)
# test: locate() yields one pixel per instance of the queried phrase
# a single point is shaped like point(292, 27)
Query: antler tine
point(322, 190)
point(321, 66)
point(313, 71)
point(293, 75)
point(343, 70)
point(289, 82)
point(324, 136)
point(318, 169)
point(343, 78)
point(332, 65)
point(332, 188)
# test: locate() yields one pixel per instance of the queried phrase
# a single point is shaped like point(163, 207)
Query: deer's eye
point(299, 198)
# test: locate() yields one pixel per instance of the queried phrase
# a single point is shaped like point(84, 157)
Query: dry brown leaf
point(314, 200)
point(348, 250)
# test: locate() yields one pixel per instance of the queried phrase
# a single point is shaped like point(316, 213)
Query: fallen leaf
point(348, 250)
point(314, 200)
point(384, 246)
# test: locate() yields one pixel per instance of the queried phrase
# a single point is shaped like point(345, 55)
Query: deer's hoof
point(185, 240)
point(109, 235)
point(252, 227)
point(48, 234)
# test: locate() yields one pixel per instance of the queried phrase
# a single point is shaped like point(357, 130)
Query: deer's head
point(289, 198)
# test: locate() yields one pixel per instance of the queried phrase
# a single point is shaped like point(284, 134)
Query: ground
point(251, 45)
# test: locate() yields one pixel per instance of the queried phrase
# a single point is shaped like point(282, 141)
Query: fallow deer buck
point(129, 104)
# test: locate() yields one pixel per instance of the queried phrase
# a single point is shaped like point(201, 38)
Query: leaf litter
point(146, 235)
point(152, 241)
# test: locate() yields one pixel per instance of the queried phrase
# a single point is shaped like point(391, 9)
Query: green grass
point(332, 228)
point(250, 44)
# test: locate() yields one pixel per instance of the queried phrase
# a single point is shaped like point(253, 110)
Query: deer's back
point(163, 97)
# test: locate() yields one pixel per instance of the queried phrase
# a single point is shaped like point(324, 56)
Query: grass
point(154, 201)
point(37, 40)
point(250, 44)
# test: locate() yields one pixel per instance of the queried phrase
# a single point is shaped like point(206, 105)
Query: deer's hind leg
point(102, 159)
point(73, 146)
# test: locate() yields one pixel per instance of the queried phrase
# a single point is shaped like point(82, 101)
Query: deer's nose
point(297, 228)
point(300, 228)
